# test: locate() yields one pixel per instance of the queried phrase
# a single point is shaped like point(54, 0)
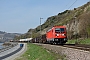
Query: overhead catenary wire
point(67, 4)
point(72, 4)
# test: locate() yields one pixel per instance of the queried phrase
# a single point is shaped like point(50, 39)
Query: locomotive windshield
point(59, 30)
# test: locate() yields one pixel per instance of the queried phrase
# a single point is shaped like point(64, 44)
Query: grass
point(86, 41)
point(71, 42)
point(35, 52)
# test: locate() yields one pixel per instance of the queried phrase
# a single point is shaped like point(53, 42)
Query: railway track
point(74, 46)
point(71, 51)
point(78, 46)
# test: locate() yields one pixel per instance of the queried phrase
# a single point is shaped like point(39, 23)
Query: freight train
point(55, 35)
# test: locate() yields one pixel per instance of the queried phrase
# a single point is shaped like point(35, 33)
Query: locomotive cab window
point(59, 30)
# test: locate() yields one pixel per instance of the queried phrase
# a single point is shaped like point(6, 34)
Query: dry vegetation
point(77, 22)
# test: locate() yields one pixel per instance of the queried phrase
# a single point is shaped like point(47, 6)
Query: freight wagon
point(55, 35)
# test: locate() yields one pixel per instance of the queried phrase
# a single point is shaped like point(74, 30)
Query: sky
point(18, 16)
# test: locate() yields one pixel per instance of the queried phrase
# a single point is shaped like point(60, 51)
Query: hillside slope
point(76, 20)
point(4, 37)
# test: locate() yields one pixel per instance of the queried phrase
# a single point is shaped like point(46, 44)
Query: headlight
point(63, 35)
point(56, 34)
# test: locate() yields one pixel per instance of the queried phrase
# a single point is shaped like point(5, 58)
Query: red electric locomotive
point(57, 35)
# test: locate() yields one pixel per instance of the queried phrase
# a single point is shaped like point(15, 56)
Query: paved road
point(13, 53)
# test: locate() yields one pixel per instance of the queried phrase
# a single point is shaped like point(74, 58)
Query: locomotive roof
point(59, 27)
point(56, 27)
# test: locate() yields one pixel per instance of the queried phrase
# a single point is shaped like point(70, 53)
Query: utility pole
point(31, 33)
point(40, 30)
point(40, 24)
